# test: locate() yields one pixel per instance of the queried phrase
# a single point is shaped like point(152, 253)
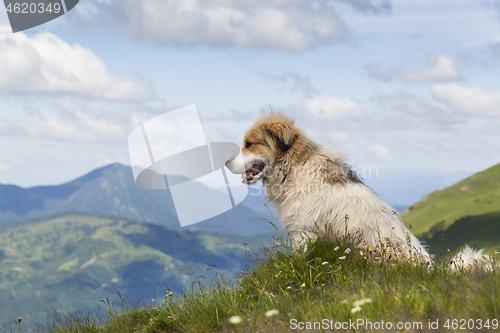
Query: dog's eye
point(248, 144)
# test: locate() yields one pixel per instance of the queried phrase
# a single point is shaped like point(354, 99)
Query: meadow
point(333, 286)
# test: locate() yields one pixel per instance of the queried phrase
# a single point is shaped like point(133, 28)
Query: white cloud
point(104, 125)
point(86, 123)
point(439, 67)
point(404, 110)
point(230, 23)
point(448, 106)
point(46, 64)
point(471, 101)
point(71, 126)
point(292, 26)
point(332, 108)
point(382, 152)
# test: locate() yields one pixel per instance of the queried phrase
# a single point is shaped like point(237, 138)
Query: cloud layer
point(439, 67)
point(46, 64)
point(291, 26)
point(446, 108)
point(472, 101)
point(85, 122)
point(74, 126)
point(331, 108)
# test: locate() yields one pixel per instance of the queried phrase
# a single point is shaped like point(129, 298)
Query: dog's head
point(270, 137)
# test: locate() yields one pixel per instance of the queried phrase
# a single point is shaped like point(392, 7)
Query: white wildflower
point(342, 258)
point(362, 301)
point(235, 320)
point(347, 251)
point(336, 248)
point(356, 309)
point(288, 287)
point(324, 263)
point(303, 285)
point(271, 313)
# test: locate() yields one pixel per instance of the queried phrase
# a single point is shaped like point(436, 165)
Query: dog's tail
point(469, 258)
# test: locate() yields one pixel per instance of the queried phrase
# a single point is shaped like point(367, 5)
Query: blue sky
point(397, 84)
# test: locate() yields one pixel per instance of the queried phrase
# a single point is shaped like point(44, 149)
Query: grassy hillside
point(321, 290)
point(467, 212)
point(79, 259)
point(111, 190)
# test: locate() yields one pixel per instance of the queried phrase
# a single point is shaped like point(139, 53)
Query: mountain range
point(76, 260)
point(111, 190)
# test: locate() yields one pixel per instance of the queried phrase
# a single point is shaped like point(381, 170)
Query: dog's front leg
point(300, 240)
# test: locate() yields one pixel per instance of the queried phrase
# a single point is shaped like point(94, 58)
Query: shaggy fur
point(317, 193)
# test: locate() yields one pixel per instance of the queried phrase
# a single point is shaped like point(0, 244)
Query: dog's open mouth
point(253, 171)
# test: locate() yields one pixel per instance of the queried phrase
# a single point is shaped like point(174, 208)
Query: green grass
point(478, 231)
point(307, 287)
point(474, 196)
point(78, 259)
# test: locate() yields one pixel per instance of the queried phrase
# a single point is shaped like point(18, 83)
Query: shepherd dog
point(318, 194)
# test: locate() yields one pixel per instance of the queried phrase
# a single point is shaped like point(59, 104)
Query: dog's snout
point(233, 164)
point(229, 162)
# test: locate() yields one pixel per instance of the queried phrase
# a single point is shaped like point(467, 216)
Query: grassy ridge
point(479, 231)
point(338, 285)
point(442, 214)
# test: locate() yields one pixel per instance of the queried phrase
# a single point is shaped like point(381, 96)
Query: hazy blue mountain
point(111, 190)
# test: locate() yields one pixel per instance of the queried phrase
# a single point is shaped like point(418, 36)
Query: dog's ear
point(284, 135)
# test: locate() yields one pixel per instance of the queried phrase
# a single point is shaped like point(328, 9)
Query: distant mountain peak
point(111, 191)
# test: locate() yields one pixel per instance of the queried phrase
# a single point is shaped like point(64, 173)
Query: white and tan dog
point(317, 193)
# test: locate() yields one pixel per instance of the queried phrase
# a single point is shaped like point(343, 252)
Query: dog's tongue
point(249, 174)
point(256, 168)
